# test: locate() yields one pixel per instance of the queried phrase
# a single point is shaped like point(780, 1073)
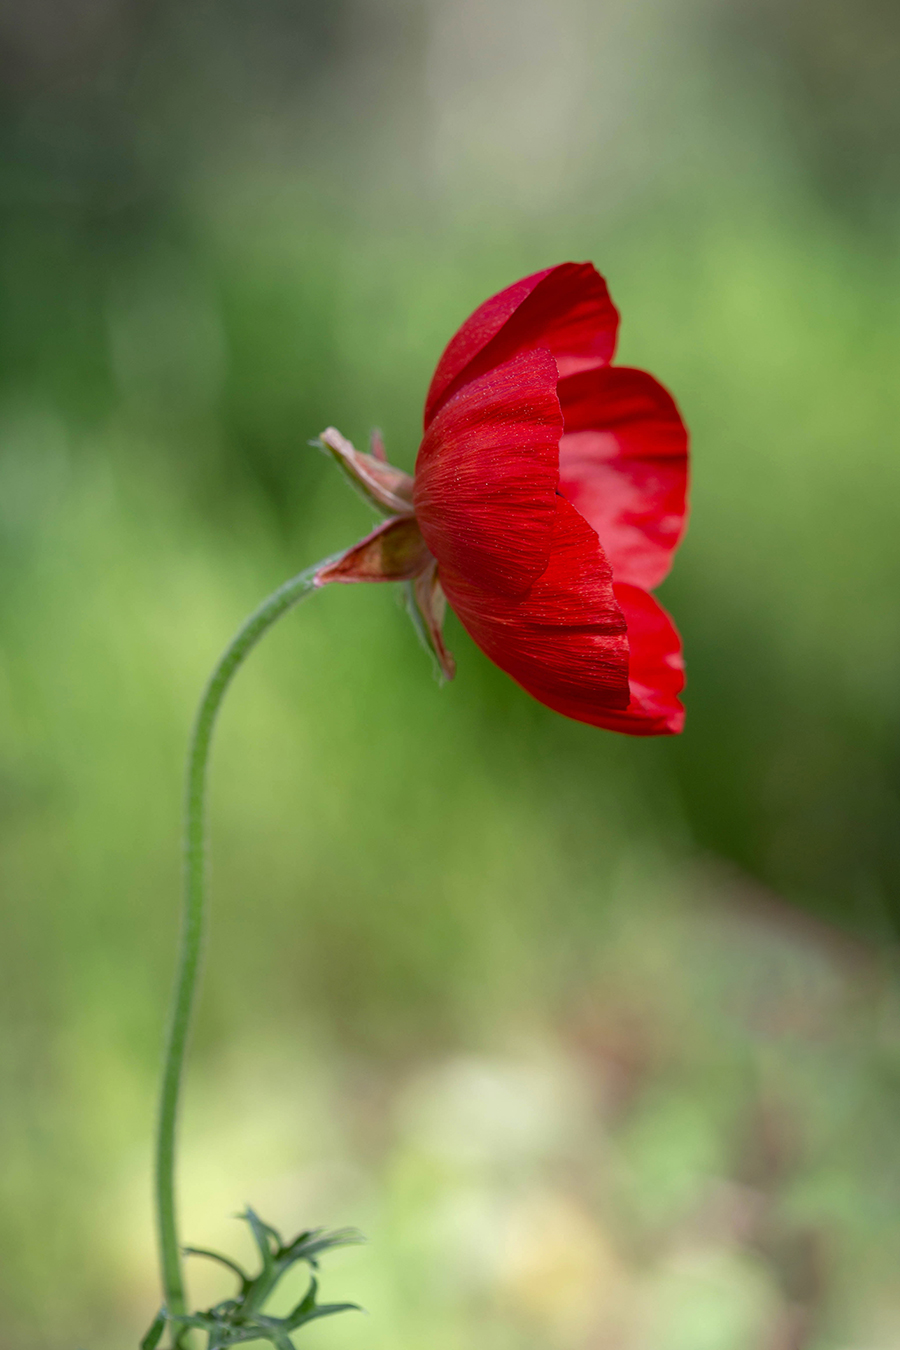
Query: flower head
point(548, 500)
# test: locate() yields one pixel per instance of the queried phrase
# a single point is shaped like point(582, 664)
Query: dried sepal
point(376, 445)
point(427, 605)
point(386, 488)
point(395, 551)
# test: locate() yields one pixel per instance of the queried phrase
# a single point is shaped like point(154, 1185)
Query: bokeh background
point(597, 1040)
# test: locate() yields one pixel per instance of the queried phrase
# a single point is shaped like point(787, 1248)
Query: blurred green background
point(597, 1040)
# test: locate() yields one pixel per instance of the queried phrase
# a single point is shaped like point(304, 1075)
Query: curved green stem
point(259, 622)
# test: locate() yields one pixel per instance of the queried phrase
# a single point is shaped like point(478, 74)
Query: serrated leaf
point(155, 1334)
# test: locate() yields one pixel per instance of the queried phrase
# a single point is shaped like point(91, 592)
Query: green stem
point(259, 622)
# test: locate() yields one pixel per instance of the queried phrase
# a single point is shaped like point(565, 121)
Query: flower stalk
point(193, 924)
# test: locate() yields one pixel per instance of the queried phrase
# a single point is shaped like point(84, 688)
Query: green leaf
point(223, 1260)
point(325, 1310)
point(306, 1305)
point(308, 1246)
point(238, 1320)
point(307, 1310)
point(264, 1235)
point(153, 1337)
point(281, 1341)
point(204, 1321)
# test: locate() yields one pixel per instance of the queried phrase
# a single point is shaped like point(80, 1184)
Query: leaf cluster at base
point(240, 1319)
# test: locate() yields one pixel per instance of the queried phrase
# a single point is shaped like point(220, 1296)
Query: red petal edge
point(485, 484)
point(564, 642)
point(565, 309)
point(623, 465)
point(656, 669)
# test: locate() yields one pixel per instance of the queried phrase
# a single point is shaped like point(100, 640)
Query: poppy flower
point(547, 502)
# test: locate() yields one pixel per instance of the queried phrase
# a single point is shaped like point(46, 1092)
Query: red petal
point(623, 464)
point(485, 485)
point(565, 309)
point(564, 641)
point(656, 669)
point(395, 551)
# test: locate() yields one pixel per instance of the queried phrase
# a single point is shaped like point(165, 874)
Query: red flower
point(548, 499)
